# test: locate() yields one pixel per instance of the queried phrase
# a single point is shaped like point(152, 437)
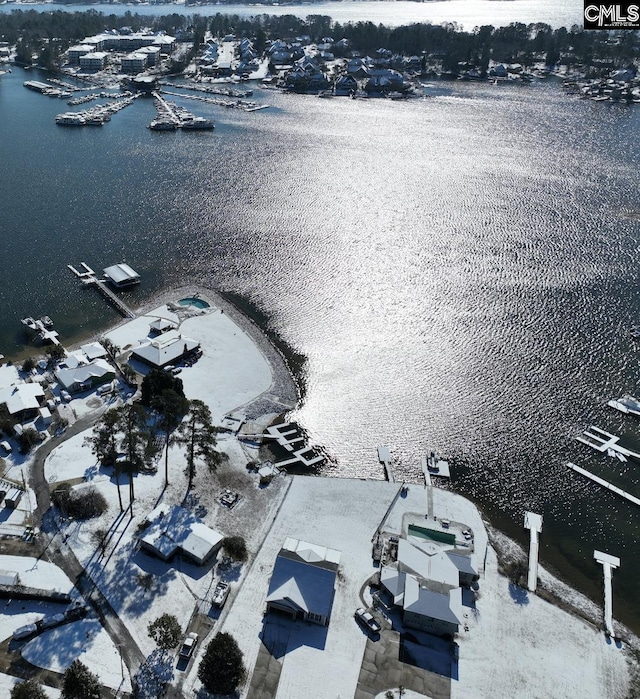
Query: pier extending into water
point(604, 484)
point(89, 278)
point(533, 522)
point(384, 457)
point(603, 441)
point(609, 564)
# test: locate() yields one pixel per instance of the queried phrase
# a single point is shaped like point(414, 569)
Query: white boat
point(163, 125)
point(30, 323)
point(627, 405)
point(46, 321)
point(70, 119)
point(220, 594)
point(197, 123)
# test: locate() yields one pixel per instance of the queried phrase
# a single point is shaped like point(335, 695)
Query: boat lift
point(89, 278)
point(605, 442)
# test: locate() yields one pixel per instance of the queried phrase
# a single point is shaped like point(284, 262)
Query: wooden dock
point(89, 278)
point(384, 457)
point(604, 484)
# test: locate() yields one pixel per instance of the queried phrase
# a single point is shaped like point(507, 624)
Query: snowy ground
point(517, 645)
point(232, 370)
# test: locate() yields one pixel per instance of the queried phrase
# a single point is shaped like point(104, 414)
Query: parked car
point(66, 396)
point(6, 447)
point(189, 645)
point(366, 618)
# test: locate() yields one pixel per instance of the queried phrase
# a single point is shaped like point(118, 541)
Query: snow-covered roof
point(165, 349)
point(320, 556)
point(84, 373)
point(175, 529)
point(23, 396)
point(393, 581)
point(162, 324)
point(9, 577)
point(121, 273)
point(306, 586)
point(436, 567)
point(93, 350)
point(419, 600)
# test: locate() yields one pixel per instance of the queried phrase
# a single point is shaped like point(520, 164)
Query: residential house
point(303, 581)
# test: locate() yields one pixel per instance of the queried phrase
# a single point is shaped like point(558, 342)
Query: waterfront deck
point(89, 278)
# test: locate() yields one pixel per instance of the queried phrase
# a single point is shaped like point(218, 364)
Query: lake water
point(460, 270)
point(466, 13)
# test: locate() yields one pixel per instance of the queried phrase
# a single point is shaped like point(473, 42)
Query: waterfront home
point(303, 581)
point(385, 80)
point(168, 348)
point(426, 582)
point(84, 377)
point(23, 401)
point(345, 85)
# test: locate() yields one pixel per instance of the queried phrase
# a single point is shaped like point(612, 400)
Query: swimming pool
point(194, 301)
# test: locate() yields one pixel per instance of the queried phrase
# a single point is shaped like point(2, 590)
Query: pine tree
point(79, 683)
point(165, 631)
point(222, 668)
point(31, 689)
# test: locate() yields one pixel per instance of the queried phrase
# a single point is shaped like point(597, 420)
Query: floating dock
point(604, 484)
point(605, 442)
point(89, 278)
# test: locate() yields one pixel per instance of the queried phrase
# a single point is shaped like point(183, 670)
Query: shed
point(9, 578)
point(12, 498)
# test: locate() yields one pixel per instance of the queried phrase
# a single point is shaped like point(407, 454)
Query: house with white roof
point(303, 581)
point(167, 348)
point(425, 582)
point(23, 400)
point(84, 377)
point(176, 530)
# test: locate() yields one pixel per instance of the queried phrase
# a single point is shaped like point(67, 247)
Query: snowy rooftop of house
point(437, 567)
point(121, 273)
point(320, 556)
point(174, 528)
point(307, 586)
point(93, 350)
point(84, 372)
point(165, 349)
point(419, 600)
point(23, 396)
point(162, 324)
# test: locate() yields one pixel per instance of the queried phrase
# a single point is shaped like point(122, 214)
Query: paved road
point(59, 553)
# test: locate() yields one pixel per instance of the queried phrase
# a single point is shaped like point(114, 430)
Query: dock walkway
point(89, 278)
point(604, 484)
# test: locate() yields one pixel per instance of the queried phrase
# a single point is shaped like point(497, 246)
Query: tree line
point(49, 34)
